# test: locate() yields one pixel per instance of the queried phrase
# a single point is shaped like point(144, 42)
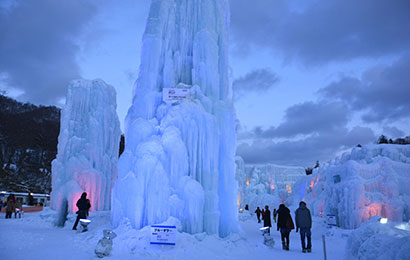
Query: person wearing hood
point(285, 225)
point(304, 223)
point(84, 206)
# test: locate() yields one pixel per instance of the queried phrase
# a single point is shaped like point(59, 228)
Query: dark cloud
point(308, 118)
point(382, 92)
point(39, 43)
point(304, 152)
point(324, 31)
point(259, 80)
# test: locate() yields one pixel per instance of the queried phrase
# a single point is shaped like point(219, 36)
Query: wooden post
point(324, 246)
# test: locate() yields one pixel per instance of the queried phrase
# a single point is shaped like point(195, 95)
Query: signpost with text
point(163, 235)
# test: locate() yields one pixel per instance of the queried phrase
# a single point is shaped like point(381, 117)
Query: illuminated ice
point(88, 146)
point(368, 181)
point(179, 156)
point(266, 184)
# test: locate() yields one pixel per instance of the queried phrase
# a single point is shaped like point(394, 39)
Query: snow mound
point(88, 146)
point(376, 241)
point(369, 181)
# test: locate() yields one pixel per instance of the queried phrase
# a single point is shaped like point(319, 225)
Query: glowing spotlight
point(264, 230)
point(383, 220)
point(84, 224)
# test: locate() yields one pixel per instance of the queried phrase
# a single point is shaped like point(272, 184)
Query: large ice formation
point(368, 181)
point(179, 157)
point(88, 146)
point(266, 184)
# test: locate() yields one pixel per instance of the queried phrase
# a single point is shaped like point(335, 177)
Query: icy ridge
point(267, 184)
point(369, 181)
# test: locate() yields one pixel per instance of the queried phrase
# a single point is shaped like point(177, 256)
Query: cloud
point(382, 92)
point(310, 131)
point(304, 152)
point(393, 132)
point(39, 43)
point(259, 80)
point(308, 118)
point(323, 31)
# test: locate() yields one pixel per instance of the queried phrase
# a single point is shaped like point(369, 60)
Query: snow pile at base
point(35, 237)
point(368, 181)
point(88, 146)
point(376, 241)
point(269, 184)
point(179, 156)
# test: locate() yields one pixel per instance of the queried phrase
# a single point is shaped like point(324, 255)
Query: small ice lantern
point(85, 223)
point(383, 220)
point(264, 230)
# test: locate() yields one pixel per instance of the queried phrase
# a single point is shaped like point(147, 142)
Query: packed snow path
point(34, 237)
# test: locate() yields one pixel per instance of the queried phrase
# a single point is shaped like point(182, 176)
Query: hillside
point(28, 144)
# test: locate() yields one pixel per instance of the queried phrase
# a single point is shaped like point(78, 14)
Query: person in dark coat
point(304, 223)
point(266, 218)
point(11, 205)
point(275, 214)
point(84, 206)
point(284, 225)
point(258, 214)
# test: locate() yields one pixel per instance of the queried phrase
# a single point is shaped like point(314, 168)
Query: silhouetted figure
point(258, 214)
point(304, 223)
point(275, 214)
point(285, 225)
point(84, 206)
point(266, 219)
point(30, 199)
point(11, 205)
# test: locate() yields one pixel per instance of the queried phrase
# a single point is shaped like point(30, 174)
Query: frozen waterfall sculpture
point(179, 158)
point(88, 147)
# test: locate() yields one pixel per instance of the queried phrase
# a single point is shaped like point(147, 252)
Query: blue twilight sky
point(311, 78)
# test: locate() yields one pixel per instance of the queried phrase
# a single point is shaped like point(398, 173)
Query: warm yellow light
point(272, 187)
point(289, 188)
point(247, 182)
point(383, 220)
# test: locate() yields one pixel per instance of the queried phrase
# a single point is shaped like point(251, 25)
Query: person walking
point(258, 214)
point(266, 219)
point(11, 205)
point(303, 220)
point(285, 225)
point(1, 204)
point(83, 205)
point(275, 213)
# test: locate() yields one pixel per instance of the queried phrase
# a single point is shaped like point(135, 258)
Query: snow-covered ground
point(35, 237)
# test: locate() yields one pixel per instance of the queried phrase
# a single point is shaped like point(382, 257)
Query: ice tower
point(179, 158)
point(88, 146)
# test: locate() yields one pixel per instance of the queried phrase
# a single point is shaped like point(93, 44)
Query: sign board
point(331, 220)
point(172, 95)
point(163, 235)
